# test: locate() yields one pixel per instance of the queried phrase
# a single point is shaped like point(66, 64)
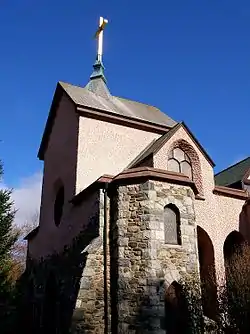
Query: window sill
point(172, 246)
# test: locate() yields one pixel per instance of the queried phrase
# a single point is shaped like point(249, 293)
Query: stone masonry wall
point(89, 313)
point(145, 265)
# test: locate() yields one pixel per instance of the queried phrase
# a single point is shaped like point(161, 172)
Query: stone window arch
point(185, 154)
point(172, 226)
point(59, 204)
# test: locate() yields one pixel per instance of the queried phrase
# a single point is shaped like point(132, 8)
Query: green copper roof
point(97, 83)
point(232, 174)
point(98, 71)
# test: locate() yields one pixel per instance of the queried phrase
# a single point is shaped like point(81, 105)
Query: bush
point(233, 303)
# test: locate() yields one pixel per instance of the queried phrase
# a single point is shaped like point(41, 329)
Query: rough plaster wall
point(75, 219)
point(106, 148)
point(60, 163)
point(217, 215)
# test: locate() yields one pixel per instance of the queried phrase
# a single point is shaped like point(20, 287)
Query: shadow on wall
point(207, 274)
point(244, 221)
point(49, 289)
point(157, 310)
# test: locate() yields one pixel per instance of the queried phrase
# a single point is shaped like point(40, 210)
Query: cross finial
point(99, 36)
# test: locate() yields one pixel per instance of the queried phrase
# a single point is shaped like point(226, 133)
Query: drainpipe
point(105, 259)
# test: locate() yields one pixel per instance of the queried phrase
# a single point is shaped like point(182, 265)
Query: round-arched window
point(58, 206)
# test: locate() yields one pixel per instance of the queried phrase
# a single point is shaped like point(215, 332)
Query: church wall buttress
point(143, 264)
point(88, 317)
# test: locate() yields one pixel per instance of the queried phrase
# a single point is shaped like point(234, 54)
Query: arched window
point(180, 162)
point(172, 225)
point(58, 206)
point(176, 309)
point(235, 255)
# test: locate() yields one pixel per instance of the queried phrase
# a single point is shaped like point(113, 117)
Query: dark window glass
point(179, 162)
point(172, 225)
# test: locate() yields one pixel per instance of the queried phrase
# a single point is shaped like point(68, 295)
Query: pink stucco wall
point(79, 151)
point(217, 215)
point(106, 148)
point(59, 164)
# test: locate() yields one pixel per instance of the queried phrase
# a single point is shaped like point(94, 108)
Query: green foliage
point(7, 236)
point(233, 302)
point(7, 240)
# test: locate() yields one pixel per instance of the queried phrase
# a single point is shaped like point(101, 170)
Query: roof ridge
point(118, 97)
point(229, 167)
point(68, 83)
point(145, 104)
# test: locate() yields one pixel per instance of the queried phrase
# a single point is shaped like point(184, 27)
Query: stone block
point(152, 195)
point(88, 271)
point(159, 235)
point(123, 242)
point(85, 283)
point(124, 262)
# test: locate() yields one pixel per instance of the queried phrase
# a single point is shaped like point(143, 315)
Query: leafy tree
point(19, 250)
point(233, 303)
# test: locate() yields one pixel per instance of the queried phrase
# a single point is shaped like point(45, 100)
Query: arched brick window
point(172, 225)
point(58, 205)
point(179, 161)
point(188, 162)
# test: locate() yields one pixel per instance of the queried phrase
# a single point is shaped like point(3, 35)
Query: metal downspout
point(105, 259)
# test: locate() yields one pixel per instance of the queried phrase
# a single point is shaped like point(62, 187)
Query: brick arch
point(195, 161)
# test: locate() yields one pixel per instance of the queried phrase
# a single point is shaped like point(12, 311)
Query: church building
point(130, 206)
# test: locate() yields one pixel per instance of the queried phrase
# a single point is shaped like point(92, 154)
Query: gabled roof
point(233, 174)
point(157, 144)
point(82, 96)
point(102, 101)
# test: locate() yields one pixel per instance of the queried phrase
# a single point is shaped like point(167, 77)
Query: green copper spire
point(97, 83)
point(98, 71)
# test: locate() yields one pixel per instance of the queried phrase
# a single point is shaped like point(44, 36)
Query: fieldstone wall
point(143, 265)
point(90, 305)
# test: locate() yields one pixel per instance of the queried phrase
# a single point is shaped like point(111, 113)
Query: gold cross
point(99, 36)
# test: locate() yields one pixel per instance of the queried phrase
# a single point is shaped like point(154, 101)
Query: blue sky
point(189, 58)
